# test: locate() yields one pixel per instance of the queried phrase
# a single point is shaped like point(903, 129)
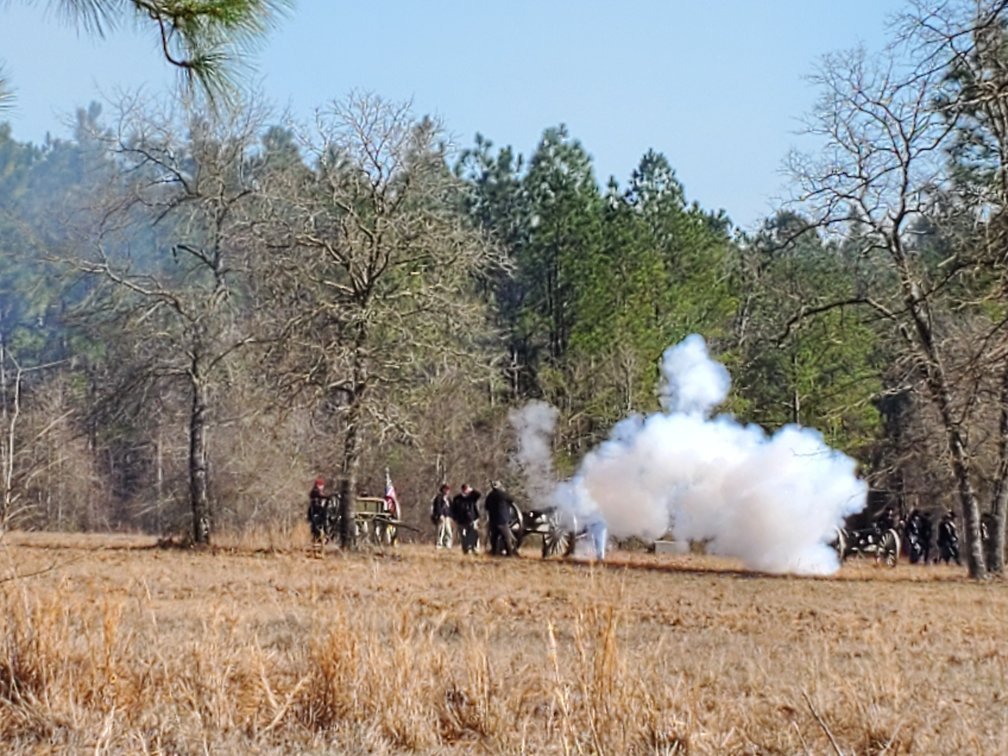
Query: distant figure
point(886, 520)
point(500, 516)
point(948, 538)
point(385, 529)
point(465, 512)
point(318, 511)
point(599, 532)
point(918, 536)
point(441, 517)
point(988, 524)
point(926, 534)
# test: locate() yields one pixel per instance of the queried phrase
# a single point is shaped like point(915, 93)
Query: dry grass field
point(111, 644)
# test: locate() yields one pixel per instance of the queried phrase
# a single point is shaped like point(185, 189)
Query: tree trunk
point(348, 476)
point(938, 386)
point(795, 396)
point(159, 480)
point(7, 455)
point(999, 503)
point(961, 471)
point(198, 498)
point(968, 501)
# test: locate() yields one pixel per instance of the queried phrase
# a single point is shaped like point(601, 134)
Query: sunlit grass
point(108, 644)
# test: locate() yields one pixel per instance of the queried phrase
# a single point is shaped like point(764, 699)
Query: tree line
point(203, 308)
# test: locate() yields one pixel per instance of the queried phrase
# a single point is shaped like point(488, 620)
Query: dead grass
point(111, 645)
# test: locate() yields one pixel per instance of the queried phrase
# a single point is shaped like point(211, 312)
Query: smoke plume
point(771, 500)
point(533, 426)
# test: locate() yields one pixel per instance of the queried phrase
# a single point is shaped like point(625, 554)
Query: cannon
point(883, 544)
point(559, 530)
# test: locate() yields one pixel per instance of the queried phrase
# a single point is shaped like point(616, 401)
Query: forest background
point(204, 304)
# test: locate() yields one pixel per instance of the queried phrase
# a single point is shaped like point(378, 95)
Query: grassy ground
point(112, 645)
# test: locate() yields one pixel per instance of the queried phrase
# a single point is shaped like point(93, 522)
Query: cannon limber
point(372, 522)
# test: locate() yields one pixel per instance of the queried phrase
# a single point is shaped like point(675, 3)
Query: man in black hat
point(499, 508)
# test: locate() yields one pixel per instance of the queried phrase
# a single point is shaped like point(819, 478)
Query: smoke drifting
point(534, 425)
point(772, 501)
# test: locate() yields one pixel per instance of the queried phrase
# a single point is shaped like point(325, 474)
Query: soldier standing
point(318, 506)
point(498, 508)
point(465, 512)
point(441, 517)
point(948, 538)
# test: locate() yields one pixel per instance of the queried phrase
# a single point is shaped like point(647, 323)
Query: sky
point(718, 86)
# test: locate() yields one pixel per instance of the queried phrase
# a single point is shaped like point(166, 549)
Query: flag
point(391, 500)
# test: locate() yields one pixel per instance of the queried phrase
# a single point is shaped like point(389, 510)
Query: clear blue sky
point(717, 85)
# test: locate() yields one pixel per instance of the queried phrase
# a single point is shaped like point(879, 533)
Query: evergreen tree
point(806, 359)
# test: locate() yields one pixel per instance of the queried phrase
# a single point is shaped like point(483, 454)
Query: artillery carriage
point(559, 530)
point(883, 544)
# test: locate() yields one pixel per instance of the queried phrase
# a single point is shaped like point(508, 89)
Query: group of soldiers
point(462, 513)
point(459, 514)
point(917, 531)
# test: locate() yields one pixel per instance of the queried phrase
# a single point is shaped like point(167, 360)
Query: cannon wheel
point(517, 521)
point(557, 541)
point(839, 545)
point(889, 547)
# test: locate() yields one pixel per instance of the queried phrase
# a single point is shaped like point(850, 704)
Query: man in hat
point(318, 506)
point(500, 515)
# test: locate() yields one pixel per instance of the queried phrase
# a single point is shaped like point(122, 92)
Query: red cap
point(319, 482)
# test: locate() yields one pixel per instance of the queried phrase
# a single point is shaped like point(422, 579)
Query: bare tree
point(972, 37)
point(888, 126)
point(169, 254)
point(372, 272)
point(20, 468)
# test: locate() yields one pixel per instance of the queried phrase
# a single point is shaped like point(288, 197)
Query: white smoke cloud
point(771, 500)
point(693, 382)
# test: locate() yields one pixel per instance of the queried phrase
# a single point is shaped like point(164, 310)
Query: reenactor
point(465, 512)
point(886, 520)
point(498, 506)
point(318, 511)
point(948, 538)
point(918, 536)
point(441, 517)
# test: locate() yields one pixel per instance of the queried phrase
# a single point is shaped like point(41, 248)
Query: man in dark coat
point(500, 515)
point(948, 538)
point(918, 536)
point(465, 512)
